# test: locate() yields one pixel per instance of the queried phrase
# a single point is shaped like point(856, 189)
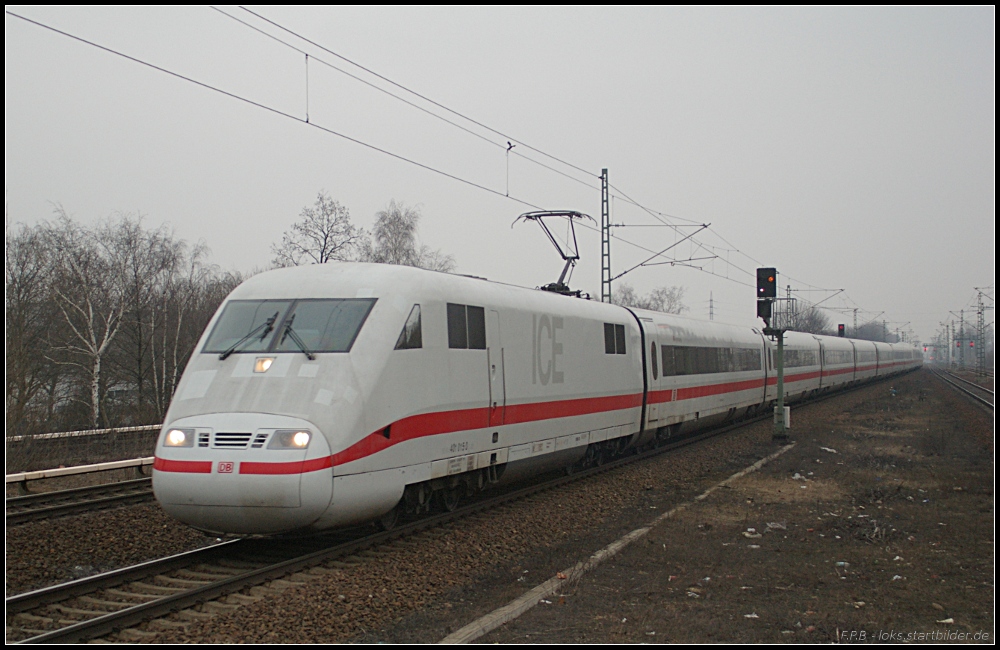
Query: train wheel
point(450, 498)
point(388, 520)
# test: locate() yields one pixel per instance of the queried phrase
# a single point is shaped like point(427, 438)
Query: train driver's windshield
point(323, 325)
point(246, 318)
point(326, 325)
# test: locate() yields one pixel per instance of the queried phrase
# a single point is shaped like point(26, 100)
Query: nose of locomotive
point(243, 473)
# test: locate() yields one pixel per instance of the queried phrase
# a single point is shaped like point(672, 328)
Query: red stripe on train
point(520, 413)
point(773, 381)
point(295, 467)
point(430, 424)
point(692, 392)
point(188, 466)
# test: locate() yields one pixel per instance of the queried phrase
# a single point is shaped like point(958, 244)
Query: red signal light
point(767, 286)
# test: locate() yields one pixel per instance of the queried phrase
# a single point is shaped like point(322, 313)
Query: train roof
point(363, 280)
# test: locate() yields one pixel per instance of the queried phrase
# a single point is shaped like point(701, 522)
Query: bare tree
point(151, 258)
point(88, 294)
point(323, 233)
point(668, 300)
point(28, 313)
point(185, 305)
point(98, 278)
point(100, 321)
point(810, 320)
point(395, 241)
point(874, 331)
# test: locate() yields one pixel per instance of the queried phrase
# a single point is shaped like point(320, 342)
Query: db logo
point(225, 468)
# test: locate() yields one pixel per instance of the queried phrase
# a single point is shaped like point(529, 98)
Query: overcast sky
point(850, 148)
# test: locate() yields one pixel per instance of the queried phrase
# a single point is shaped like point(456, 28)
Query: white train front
point(327, 395)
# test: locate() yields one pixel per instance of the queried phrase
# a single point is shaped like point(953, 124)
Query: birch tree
point(92, 290)
point(394, 241)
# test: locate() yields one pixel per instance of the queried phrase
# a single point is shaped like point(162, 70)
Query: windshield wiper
point(295, 337)
point(267, 326)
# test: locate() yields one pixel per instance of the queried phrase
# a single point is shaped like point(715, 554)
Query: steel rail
point(44, 505)
point(968, 393)
point(966, 381)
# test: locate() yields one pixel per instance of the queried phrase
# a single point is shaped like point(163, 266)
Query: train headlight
point(262, 364)
point(290, 439)
point(179, 438)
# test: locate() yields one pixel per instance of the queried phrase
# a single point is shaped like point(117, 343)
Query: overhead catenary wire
point(270, 109)
point(416, 94)
point(509, 138)
point(315, 125)
point(659, 216)
point(621, 195)
point(656, 214)
point(395, 96)
point(297, 119)
point(669, 260)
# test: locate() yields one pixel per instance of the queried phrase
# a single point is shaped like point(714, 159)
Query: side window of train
point(838, 356)
point(668, 366)
point(466, 327)
point(614, 339)
point(702, 360)
point(411, 337)
point(652, 357)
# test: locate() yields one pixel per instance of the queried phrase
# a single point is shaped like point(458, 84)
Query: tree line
point(101, 320)
point(325, 232)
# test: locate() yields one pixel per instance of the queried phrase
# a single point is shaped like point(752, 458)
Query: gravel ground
point(47, 552)
point(888, 539)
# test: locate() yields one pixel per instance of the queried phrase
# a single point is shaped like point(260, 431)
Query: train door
point(765, 364)
point(495, 367)
point(652, 367)
point(822, 362)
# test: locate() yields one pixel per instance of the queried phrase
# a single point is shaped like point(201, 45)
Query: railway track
point(965, 381)
point(45, 505)
point(98, 605)
point(200, 584)
point(975, 392)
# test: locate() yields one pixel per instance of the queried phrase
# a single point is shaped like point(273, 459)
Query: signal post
point(767, 293)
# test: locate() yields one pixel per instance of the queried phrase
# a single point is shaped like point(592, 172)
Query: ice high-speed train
point(326, 395)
